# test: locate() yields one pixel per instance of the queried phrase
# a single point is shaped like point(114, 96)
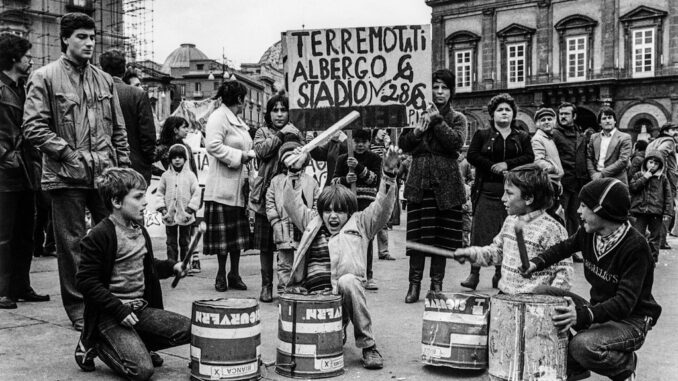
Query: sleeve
point(540, 155)
point(271, 210)
point(492, 254)
point(450, 136)
point(475, 156)
point(164, 267)
point(162, 187)
point(591, 164)
point(38, 120)
point(560, 251)
point(216, 131)
point(146, 128)
point(668, 197)
point(637, 183)
point(408, 140)
point(319, 153)
point(119, 138)
point(619, 166)
point(563, 269)
point(266, 147)
point(299, 214)
point(377, 214)
point(194, 203)
point(526, 156)
point(370, 173)
point(88, 277)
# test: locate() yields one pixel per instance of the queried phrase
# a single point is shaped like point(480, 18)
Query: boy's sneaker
point(85, 357)
point(371, 285)
point(195, 265)
point(372, 358)
point(156, 359)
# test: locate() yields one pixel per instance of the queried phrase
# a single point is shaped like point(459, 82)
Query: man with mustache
point(73, 116)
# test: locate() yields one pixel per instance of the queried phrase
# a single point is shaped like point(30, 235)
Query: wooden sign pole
point(349, 145)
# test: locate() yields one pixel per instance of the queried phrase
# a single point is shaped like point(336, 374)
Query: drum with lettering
point(523, 342)
point(225, 339)
point(454, 332)
point(310, 336)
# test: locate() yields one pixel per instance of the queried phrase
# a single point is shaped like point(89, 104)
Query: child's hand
point(391, 159)
point(351, 162)
point(528, 273)
point(462, 255)
point(130, 320)
point(351, 178)
point(179, 269)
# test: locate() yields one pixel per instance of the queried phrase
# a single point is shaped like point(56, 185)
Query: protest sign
point(382, 72)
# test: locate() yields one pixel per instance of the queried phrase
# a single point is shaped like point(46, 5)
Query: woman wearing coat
point(492, 152)
point(434, 189)
point(229, 148)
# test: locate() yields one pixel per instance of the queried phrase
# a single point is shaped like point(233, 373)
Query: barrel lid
point(228, 302)
point(310, 297)
point(531, 298)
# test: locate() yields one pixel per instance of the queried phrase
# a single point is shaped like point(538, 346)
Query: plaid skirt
point(228, 229)
point(263, 234)
point(428, 225)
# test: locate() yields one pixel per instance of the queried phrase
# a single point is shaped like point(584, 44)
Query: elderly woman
point(229, 148)
point(267, 142)
point(492, 152)
point(434, 189)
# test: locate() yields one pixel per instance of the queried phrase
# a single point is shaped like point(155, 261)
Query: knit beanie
point(608, 198)
point(542, 112)
point(286, 149)
point(177, 149)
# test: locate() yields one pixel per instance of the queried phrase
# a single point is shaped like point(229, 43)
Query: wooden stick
point(428, 249)
point(522, 249)
point(201, 229)
point(349, 147)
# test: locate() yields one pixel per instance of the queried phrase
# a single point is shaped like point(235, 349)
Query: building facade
point(38, 21)
point(620, 53)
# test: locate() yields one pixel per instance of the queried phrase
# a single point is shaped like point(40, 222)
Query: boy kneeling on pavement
point(332, 252)
point(119, 280)
point(620, 268)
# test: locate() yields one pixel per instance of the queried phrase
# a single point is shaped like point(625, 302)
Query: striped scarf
point(318, 266)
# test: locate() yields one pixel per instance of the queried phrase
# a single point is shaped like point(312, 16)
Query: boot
point(496, 277)
point(266, 295)
point(473, 278)
point(413, 293)
point(266, 261)
point(437, 273)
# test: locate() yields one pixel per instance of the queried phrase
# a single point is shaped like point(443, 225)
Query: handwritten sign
point(383, 72)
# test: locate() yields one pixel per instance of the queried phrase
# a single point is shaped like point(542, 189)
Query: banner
point(382, 72)
point(196, 112)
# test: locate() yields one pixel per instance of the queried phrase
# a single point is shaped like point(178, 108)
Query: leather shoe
point(471, 281)
point(236, 283)
point(413, 293)
point(220, 283)
point(32, 296)
point(7, 303)
point(386, 257)
point(156, 359)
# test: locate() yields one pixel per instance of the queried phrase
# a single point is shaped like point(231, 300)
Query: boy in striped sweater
point(528, 193)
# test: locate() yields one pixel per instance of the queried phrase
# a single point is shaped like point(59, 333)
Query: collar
point(80, 68)
point(9, 81)
point(233, 119)
point(544, 134)
point(603, 134)
point(527, 217)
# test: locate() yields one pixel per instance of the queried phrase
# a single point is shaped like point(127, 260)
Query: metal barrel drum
point(523, 342)
point(310, 336)
point(454, 332)
point(225, 339)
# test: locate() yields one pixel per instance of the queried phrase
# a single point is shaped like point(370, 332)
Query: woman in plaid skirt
point(267, 142)
point(229, 147)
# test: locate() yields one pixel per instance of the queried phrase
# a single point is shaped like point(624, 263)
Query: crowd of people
point(76, 137)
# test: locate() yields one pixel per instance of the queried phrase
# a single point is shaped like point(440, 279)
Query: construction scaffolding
point(122, 24)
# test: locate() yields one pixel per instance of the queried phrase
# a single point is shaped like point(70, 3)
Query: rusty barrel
point(523, 342)
point(225, 339)
point(310, 336)
point(454, 331)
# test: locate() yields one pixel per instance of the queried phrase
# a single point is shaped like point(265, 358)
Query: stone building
point(621, 53)
point(38, 21)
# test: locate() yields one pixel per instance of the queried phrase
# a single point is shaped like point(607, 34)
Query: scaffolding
point(122, 24)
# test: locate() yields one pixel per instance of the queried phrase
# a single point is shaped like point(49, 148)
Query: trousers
point(354, 305)
point(16, 241)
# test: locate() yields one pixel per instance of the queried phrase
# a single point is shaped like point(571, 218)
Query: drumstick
point(323, 136)
point(522, 249)
point(428, 249)
point(201, 229)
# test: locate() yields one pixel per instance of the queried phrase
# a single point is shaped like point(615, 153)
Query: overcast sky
point(246, 28)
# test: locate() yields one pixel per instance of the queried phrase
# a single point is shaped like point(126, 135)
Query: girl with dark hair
point(267, 142)
point(434, 189)
point(174, 131)
point(493, 152)
point(229, 148)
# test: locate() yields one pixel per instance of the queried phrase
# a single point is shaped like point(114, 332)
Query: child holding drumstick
point(332, 251)
point(528, 193)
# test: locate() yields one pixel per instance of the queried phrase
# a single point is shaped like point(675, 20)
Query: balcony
point(544, 80)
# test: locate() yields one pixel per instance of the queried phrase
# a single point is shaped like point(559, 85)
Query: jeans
point(16, 242)
point(285, 261)
point(354, 305)
point(605, 348)
point(184, 233)
point(654, 223)
point(125, 350)
point(382, 242)
point(43, 233)
point(68, 217)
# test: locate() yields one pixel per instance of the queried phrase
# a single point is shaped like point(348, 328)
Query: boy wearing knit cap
point(620, 269)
